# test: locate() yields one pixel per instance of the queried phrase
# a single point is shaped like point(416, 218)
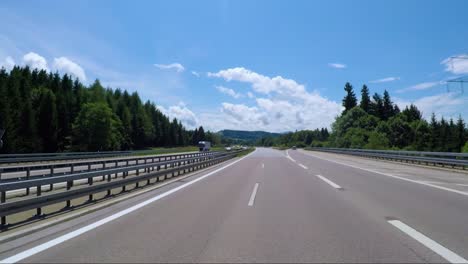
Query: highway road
point(273, 206)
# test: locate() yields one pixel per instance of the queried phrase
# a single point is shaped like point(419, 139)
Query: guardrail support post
point(103, 167)
point(69, 185)
point(51, 174)
point(3, 218)
point(138, 170)
point(116, 165)
point(28, 173)
point(108, 180)
point(38, 193)
point(90, 182)
point(126, 173)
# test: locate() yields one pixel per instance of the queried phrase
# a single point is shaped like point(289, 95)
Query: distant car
point(294, 147)
point(228, 148)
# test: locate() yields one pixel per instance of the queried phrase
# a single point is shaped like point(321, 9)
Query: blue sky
point(267, 65)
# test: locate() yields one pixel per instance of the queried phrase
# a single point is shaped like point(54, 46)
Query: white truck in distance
point(204, 145)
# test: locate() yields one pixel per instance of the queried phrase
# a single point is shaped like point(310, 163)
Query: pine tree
point(376, 106)
point(27, 142)
point(412, 113)
point(460, 134)
point(195, 137)
point(435, 133)
point(4, 104)
point(13, 124)
point(47, 121)
point(365, 99)
point(388, 110)
point(201, 134)
point(349, 101)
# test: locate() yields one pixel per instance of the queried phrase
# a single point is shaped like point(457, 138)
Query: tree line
point(377, 123)
point(302, 138)
point(48, 112)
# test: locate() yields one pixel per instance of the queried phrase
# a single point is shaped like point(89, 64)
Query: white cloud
point(196, 73)
point(456, 64)
point(173, 66)
point(35, 61)
point(260, 83)
point(287, 107)
point(8, 63)
point(182, 113)
point(420, 86)
point(65, 65)
point(337, 65)
point(445, 104)
point(244, 115)
point(424, 86)
point(388, 79)
point(250, 95)
point(228, 91)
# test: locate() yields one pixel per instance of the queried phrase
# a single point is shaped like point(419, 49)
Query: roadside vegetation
point(169, 150)
point(377, 123)
point(48, 112)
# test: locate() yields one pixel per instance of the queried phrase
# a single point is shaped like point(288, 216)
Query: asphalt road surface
point(273, 206)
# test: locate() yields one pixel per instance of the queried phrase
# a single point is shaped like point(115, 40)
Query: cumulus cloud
point(196, 73)
point(445, 104)
point(337, 65)
point(173, 66)
point(35, 61)
point(228, 91)
point(250, 95)
point(456, 64)
point(388, 79)
point(66, 65)
point(182, 113)
point(287, 105)
point(243, 114)
point(8, 63)
point(260, 83)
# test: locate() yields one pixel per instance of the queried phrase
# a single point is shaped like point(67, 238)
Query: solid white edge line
point(304, 167)
point(32, 251)
point(334, 185)
point(429, 243)
point(394, 176)
point(252, 196)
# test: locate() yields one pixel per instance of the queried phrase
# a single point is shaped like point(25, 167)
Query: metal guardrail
point(50, 169)
point(40, 157)
point(429, 158)
point(152, 170)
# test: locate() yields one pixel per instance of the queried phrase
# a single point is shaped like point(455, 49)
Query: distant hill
point(246, 136)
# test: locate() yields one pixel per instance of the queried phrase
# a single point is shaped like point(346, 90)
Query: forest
point(377, 123)
point(47, 112)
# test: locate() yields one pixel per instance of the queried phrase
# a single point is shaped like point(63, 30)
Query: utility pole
point(460, 80)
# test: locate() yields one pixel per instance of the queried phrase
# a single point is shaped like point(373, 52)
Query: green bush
point(465, 148)
point(377, 141)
